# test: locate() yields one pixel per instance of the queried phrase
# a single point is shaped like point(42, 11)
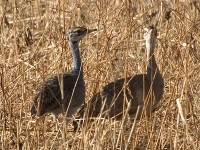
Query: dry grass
point(115, 51)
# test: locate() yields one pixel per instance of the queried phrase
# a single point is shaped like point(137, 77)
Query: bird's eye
point(79, 32)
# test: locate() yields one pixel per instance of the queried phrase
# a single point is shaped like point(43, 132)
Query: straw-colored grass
point(33, 46)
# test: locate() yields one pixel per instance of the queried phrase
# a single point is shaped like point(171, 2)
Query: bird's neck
point(76, 62)
point(152, 68)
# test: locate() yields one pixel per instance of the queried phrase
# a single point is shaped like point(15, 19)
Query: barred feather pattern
point(49, 98)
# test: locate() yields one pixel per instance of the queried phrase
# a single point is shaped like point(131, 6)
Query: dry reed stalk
point(115, 51)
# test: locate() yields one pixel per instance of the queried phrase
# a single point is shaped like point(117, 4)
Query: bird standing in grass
point(64, 93)
point(144, 90)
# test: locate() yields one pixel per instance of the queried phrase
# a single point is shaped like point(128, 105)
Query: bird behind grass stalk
point(63, 93)
point(144, 90)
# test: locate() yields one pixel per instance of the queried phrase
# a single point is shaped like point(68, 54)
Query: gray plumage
point(139, 90)
point(63, 93)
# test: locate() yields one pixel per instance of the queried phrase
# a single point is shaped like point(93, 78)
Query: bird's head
point(77, 33)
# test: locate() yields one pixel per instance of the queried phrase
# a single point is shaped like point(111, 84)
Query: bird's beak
point(91, 30)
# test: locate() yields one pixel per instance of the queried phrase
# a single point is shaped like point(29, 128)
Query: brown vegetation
point(33, 47)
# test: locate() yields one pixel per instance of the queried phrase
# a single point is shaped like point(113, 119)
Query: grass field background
point(33, 47)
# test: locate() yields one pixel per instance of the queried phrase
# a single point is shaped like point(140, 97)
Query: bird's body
point(127, 94)
point(49, 98)
point(63, 93)
point(115, 93)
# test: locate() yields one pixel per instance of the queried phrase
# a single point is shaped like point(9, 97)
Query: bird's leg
point(57, 122)
point(75, 125)
point(77, 120)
